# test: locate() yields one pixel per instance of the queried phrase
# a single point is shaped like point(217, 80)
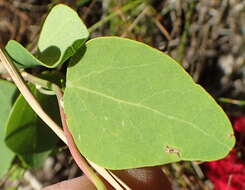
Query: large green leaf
point(26, 134)
point(129, 105)
point(7, 92)
point(62, 34)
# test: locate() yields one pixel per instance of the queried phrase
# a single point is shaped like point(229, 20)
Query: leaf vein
point(170, 117)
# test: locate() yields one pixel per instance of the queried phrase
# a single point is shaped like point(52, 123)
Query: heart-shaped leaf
point(7, 92)
point(129, 105)
point(26, 134)
point(62, 34)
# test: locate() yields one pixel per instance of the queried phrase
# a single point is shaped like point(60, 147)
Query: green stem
point(232, 101)
point(38, 81)
point(114, 14)
point(184, 36)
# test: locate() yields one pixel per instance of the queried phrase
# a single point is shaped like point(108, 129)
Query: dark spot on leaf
point(231, 135)
point(171, 150)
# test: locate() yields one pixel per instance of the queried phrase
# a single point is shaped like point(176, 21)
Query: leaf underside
point(129, 105)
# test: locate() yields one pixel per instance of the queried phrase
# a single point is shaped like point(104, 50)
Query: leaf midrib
point(194, 126)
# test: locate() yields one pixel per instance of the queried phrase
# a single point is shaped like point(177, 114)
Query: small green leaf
point(129, 105)
point(7, 92)
point(62, 34)
point(26, 134)
point(21, 55)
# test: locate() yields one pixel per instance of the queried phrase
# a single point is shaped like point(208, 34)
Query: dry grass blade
point(18, 80)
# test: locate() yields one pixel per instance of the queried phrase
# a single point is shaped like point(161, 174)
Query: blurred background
point(207, 37)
